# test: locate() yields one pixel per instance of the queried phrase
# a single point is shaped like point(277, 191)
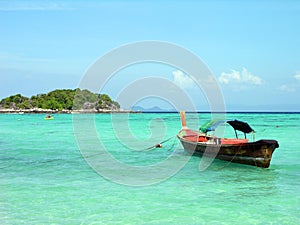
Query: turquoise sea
point(46, 180)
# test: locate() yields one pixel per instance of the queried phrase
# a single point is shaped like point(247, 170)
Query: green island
point(60, 101)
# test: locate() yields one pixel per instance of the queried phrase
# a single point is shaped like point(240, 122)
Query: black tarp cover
point(240, 125)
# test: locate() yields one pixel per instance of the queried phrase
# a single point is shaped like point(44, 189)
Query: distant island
point(152, 109)
point(60, 101)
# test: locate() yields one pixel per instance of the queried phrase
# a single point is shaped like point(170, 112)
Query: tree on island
point(16, 102)
point(105, 102)
point(65, 99)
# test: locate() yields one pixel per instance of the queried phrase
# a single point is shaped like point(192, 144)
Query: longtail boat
point(255, 153)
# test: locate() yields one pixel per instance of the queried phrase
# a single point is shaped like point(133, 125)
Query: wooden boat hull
point(258, 153)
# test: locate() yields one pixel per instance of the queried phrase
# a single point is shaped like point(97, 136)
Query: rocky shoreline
point(64, 111)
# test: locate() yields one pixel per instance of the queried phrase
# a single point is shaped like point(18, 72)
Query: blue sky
point(252, 47)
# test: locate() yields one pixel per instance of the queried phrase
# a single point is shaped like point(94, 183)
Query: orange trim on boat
point(232, 141)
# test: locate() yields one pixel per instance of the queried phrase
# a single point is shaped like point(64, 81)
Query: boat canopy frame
point(235, 124)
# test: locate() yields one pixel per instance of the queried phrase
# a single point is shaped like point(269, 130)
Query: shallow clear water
point(45, 179)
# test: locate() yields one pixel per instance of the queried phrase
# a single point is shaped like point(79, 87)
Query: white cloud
point(297, 76)
point(291, 87)
point(225, 78)
point(287, 88)
point(237, 77)
point(182, 80)
point(19, 5)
